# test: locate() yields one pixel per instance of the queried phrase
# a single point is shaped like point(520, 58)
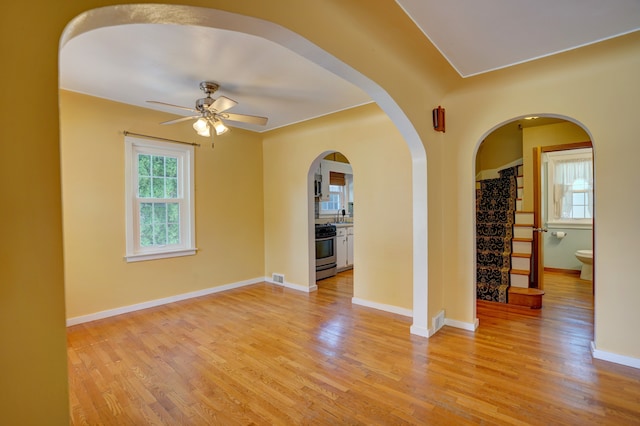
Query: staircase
point(522, 240)
point(504, 240)
point(495, 209)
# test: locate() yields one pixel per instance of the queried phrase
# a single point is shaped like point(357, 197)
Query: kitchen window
point(336, 200)
point(159, 200)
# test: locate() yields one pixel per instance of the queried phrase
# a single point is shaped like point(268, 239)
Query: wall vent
point(278, 278)
point(438, 321)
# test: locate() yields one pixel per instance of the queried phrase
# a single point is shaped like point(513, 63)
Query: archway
point(332, 197)
point(516, 145)
point(183, 15)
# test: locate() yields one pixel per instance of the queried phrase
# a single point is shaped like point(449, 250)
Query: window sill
point(159, 255)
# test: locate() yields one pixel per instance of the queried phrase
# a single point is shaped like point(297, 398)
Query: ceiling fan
point(211, 113)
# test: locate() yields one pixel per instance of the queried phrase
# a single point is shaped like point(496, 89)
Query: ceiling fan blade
point(172, 105)
point(222, 104)
point(179, 120)
point(251, 119)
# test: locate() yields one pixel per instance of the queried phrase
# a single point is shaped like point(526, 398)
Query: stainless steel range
point(325, 251)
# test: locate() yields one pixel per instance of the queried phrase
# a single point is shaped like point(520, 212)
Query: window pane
point(158, 166)
point(578, 212)
point(173, 233)
point(173, 213)
point(160, 234)
point(171, 187)
point(158, 187)
point(579, 198)
point(159, 213)
point(144, 165)
point(144, 187)
point(146, 235)
point(146, 213)
point(171, 165)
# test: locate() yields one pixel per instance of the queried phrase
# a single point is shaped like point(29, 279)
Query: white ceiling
point(481, 36)
point(136, 63)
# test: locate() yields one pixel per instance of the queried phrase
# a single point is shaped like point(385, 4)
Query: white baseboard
point(611, 357)
point(292, 286)
point(470, 326)
point(158, 302)
point(421, 331)
point(383, 307)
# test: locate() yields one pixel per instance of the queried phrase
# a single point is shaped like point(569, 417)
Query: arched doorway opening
point(333, 219)
point(131, 14)
point(530, 222)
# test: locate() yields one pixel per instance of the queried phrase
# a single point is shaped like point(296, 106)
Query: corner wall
point(228, 199)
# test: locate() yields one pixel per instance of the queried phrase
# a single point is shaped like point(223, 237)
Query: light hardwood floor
point(266, 355)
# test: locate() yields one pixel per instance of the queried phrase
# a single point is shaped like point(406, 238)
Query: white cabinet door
point(350, 246)
point(341, 248)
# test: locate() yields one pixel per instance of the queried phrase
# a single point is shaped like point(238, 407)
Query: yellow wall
point(501, 148)
point(579, 85)
point(596, 85)
point(228, 193)
point(553, 134)
point(382, 198)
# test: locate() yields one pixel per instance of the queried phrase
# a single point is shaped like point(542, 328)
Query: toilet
point(586, 257)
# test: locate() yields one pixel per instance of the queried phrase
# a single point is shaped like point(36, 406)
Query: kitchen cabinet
point(344, 247)
point(350, 246)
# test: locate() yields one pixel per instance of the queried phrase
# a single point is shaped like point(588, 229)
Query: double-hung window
point(159, 199)
point(570, 187)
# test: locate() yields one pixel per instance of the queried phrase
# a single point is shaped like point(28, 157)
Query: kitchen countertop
point(342, 224)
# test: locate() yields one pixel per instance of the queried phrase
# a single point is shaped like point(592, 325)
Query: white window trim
point(135, 253)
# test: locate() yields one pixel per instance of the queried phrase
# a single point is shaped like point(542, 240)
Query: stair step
point(521, 245)
point(522, 231)
point(524, 217)
point(531, 297)
point(521, 263)
point(519, 280)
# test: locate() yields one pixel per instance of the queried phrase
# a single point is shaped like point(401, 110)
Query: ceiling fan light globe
point(200, 124)
point(220, 127)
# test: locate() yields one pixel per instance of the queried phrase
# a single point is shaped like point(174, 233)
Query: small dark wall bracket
point(438, 119)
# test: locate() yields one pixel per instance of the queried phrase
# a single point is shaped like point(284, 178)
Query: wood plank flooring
point(266, 355)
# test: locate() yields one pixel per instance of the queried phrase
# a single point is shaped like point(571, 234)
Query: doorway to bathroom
point(564, 207)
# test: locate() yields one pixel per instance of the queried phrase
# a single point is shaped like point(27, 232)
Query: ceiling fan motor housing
point(203, 104)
